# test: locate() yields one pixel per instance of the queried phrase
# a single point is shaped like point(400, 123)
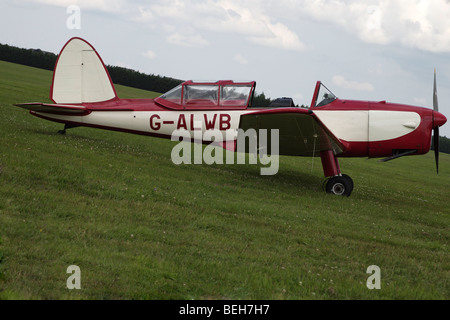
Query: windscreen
point(325, 96)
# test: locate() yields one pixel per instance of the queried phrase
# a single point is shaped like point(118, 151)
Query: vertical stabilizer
point(80, 75)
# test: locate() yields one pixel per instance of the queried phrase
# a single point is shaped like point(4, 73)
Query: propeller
point(436, 127)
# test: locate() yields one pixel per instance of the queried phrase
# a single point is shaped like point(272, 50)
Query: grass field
point(140, 227)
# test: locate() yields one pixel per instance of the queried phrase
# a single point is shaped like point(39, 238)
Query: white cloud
point(149, 54)
point(420, 24)
point(240, 59)
point(144, 14)
point(115, 6)
point(175, 9)
point(281, 38)
point(245, 18)
point(187, 40)
point(341, 82)
point(251, 20)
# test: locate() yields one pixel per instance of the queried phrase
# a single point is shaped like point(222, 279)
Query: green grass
point(140, 227)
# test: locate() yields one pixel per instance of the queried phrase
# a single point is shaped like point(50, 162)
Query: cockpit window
point(201, 94)
point(219, 94)
point(235, 95)
point(325, 96)
point(173, 95)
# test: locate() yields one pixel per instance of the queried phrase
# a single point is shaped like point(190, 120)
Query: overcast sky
point(368, 50)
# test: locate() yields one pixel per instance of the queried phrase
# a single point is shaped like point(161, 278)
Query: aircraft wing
point(63, 109)
point(301, 133)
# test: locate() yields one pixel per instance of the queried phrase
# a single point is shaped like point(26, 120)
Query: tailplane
point(80, 75)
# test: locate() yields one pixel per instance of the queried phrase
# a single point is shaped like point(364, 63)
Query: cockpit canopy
point(225, 94)
point(322, 95)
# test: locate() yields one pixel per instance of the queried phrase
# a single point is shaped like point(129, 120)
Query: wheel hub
point(338, 189)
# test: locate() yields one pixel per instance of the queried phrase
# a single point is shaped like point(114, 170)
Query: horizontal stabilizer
point(62, 109)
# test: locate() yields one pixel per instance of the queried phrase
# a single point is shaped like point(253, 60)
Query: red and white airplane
point(84, 95)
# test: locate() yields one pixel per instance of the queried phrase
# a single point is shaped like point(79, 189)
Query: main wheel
point(349, 179)
point(340, 185)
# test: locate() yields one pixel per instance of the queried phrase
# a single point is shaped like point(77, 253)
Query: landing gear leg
point(66, 126)
point(338, 184)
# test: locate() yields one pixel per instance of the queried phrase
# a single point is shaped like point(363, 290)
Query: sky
point(365, 50)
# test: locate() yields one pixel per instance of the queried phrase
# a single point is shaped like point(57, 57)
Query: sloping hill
point(140, 227)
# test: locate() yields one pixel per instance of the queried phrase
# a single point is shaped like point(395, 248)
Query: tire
point(340, 185)
point(350, 180)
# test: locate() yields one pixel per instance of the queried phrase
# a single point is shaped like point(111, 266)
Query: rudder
point(80, 75)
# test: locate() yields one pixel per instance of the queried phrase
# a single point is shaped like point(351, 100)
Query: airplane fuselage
point(368, 129)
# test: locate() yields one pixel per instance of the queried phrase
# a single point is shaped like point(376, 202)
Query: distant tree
point(260, 100)
point(47, 60)
point(132, 78)
point(444, 144)
point(29, 57)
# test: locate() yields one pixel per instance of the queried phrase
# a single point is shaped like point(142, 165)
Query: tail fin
point(80, 75)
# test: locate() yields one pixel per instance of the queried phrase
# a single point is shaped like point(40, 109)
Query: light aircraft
point(84, 95)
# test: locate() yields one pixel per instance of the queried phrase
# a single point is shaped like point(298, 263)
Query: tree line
point(47, 60)
point(136, 79)
point(444, 144)
point(29, 57)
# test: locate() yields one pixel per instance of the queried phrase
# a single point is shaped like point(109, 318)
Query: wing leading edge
point(301, 133)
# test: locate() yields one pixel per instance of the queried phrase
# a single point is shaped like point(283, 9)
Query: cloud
point(281, 37)
point(240, 59)
point(245, 18)
point(417, 24)
point(421, 24)
point(149, 54)
point(250, 20)
point(110, 6)
point(341, 82)
point(187, 40)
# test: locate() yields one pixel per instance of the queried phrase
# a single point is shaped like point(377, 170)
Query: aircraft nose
point(439, 119)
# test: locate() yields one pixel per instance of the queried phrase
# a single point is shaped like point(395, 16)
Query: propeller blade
point(435, 99)
point(436, 147)
point(435, 129)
